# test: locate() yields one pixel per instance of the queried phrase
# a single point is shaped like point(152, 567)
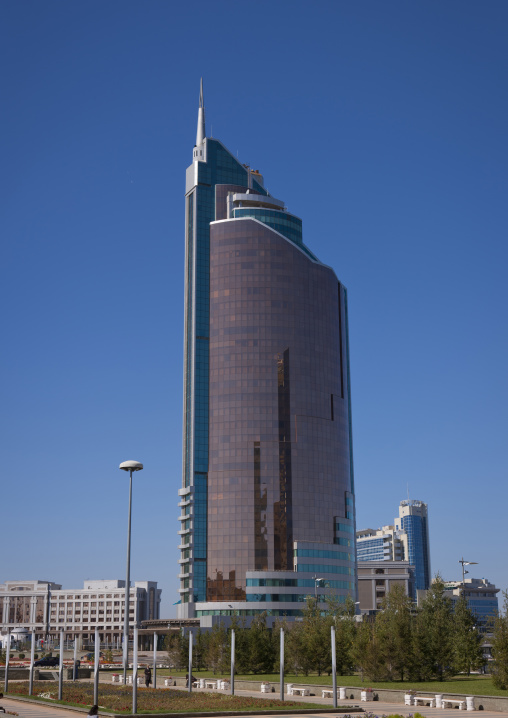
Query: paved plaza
point(378, 708)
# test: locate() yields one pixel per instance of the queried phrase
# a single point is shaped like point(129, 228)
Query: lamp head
point(131, 466)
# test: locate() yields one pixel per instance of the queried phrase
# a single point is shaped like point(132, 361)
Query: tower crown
point(201, 134)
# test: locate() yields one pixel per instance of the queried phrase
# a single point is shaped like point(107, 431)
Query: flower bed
point(119, 698)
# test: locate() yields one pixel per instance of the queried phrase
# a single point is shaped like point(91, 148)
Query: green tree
point(393, 631)
point(421, 666)
point(433, 648)
point(177, 647)
point(199, 650)
point(468, 654)
point(217, 653)
point(500, 647)
point(261, 646)
point(242, 647)
point(342, 616)
point(317, 637)
point(366, 652)
point(297, 656)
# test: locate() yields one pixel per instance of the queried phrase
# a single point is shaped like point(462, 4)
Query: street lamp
point(465, 563)
point(129, 466)
point(317, 582)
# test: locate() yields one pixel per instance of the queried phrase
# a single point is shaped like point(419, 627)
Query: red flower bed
point(119, 698)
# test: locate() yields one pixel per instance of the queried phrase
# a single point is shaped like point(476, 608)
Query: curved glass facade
point(267, 449)
point(279, 423)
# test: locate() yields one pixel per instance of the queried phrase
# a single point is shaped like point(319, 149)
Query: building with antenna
point(407, 539)
point(267, 497)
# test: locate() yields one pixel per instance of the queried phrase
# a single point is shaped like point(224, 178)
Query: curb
point(201, 714)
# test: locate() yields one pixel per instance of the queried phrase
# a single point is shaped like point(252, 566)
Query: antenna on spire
point(201, 134)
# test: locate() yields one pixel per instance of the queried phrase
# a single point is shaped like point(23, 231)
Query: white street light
point(465, 563)
point(318, 582)
point(129, 466)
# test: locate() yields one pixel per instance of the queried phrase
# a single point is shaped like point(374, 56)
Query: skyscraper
point(414, 521)
point(267, 498)
point(406, 540)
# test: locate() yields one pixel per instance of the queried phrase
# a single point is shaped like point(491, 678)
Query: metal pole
point(190, 661)
point(74, 665)
point(127, 590)
point(155, 659)
point(32, 658)
point(135, 673)
point(96, 668)
point(334, 668)
point(282, 664)
point(60, 666)
point(7, 655)
point(232, 661)
point(48, 606)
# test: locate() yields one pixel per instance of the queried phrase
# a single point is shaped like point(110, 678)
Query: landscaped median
point(118, 699)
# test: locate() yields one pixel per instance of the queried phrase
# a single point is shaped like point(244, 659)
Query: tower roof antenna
point(201, 134)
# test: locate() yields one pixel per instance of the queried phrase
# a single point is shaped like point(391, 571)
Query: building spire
point(200, 136)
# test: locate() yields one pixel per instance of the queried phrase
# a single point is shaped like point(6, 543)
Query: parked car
point(48, 661)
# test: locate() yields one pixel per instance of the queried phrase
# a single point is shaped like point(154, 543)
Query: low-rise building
point(376, 579)
point(47, 609)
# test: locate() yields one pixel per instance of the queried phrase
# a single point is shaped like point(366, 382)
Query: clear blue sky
point(382, 124)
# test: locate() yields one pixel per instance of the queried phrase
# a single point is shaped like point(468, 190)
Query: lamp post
point(317, 582)
point(129, 466)
point(465, 563)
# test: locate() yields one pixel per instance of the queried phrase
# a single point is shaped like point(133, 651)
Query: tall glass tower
point(267, 498)
point(407, 539)
point(414, 521)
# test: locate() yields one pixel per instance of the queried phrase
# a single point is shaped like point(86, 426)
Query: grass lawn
point(473, 685)
point(119, 699)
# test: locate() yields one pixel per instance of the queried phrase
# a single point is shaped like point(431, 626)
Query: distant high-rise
point(414, 521)
point(267, 499)
point(406, 540)
point(481, 597)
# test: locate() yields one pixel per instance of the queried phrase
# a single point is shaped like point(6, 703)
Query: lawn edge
point(200, 714)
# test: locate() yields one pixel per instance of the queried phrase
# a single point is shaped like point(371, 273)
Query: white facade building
point(47, 609)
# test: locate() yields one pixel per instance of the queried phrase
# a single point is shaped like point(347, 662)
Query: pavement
point(29, 710)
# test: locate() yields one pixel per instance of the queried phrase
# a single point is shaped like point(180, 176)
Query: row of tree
point(433, 642)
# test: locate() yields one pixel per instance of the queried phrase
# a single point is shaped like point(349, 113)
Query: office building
point(267, 497)
point(47, 609)
point(413, 520)
point(406, 540)
point(375, 581)
point(481, 597)
point(384, 544)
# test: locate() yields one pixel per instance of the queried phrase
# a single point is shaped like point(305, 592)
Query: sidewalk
point(378, 708)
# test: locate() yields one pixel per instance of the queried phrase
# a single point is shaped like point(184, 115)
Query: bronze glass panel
point(279, 425)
